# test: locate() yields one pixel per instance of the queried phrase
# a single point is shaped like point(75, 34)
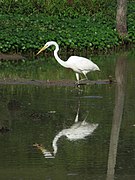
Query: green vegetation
point(27, 25)
point(53, 7)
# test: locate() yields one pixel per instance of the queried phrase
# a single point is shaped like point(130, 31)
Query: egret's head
point(43, 48)
point(46, 46)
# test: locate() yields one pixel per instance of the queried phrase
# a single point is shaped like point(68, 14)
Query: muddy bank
point(8, 57)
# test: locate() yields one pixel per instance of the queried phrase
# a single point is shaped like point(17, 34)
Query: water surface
point(65, 133)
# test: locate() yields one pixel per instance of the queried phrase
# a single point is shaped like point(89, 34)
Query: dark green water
point(92, 131)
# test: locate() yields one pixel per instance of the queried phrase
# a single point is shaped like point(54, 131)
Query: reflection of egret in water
point(46, 153)
point(79, 130)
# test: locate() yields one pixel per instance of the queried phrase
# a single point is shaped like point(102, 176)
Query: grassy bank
point(21, 32)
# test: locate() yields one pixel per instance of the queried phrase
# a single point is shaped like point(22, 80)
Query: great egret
point(78, 64)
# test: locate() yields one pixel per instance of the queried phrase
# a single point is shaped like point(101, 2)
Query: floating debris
point(51, 112)
point(4, 129)
point(92, 97)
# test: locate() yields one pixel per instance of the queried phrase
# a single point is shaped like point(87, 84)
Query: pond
point(65, 132)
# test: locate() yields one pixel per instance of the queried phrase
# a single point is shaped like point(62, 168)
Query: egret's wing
point(80, 63)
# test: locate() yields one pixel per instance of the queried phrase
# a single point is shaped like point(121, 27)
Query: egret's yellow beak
point(42, 49)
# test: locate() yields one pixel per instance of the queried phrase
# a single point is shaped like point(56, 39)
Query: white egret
point(78, 64)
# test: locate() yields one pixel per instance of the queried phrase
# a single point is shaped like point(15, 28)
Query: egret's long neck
point(61, 62)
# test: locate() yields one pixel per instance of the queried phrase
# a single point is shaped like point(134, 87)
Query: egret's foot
point(78, 83)
point(84, 79)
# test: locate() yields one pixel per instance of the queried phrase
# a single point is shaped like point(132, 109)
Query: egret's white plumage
point(79, 65)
